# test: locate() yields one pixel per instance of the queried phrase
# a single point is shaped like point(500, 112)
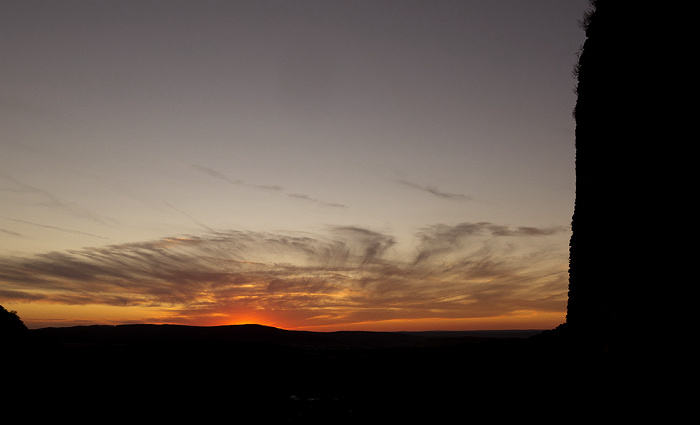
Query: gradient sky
point(320, 165)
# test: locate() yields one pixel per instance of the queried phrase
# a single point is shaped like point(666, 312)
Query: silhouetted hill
point(166, 372)
point(180, 334)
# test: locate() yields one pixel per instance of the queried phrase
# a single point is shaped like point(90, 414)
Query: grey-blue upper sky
point(127, 121)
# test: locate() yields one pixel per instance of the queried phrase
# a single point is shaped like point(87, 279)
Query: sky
point(316, 165)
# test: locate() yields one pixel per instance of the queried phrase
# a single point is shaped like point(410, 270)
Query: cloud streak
point(10, 232)
point(50, 200)
point(199, 223)
point(316, 201)
point(46, 226)
point(221, 176)
point(434, 191)
point(349, 275)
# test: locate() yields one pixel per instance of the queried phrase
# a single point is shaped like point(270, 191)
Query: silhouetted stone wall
point(629, 177)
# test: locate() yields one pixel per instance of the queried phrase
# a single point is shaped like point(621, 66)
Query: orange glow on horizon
point(38, 315)
point(250, 317)
point(526, 320)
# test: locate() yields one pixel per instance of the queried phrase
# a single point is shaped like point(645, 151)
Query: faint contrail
point(221, 176)
point(54, 201)
point(191, 218)
point(60, 229)
point(310, 199)
point(10, 232)
point(435, 191)
point(217, 174)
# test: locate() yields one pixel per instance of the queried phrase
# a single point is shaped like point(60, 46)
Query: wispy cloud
point(50, 200)
point(10, 232)
point(46, 226)
point(443, 240)
point(315, 201)
point(433, 190)
point(199, 223)
point(221, 176)
point(350, 274)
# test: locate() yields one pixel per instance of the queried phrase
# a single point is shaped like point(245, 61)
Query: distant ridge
point(289, 376)
point(261, 334)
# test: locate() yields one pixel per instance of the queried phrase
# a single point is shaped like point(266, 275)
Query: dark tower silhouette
point(624, 249)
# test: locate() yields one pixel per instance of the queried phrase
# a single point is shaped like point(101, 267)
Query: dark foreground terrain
point(258, 374)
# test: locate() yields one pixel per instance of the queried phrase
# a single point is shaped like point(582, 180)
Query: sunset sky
point(318, 165)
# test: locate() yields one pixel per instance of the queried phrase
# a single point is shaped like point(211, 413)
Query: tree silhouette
point(11, 326)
